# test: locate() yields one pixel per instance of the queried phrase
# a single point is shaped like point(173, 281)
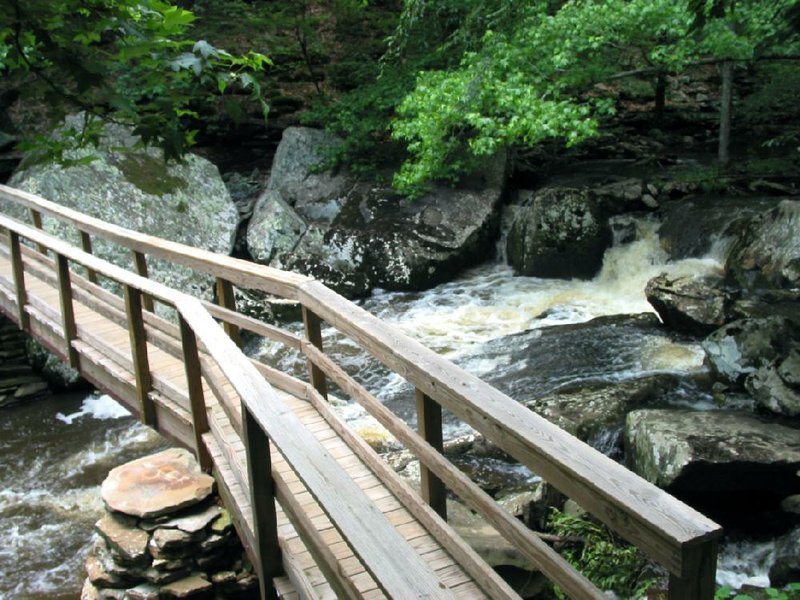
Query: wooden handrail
point(671, 533)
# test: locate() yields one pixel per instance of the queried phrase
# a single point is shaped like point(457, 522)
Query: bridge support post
point(312, 324)
point(36, 218)
point(429, 424)
point(140, 264)
point(700, 569)
point(227, 300)
point(194, 383)
point(67, 310)
point(141, 364)
point(19, 280)
point(262, 493)
point(86, 244)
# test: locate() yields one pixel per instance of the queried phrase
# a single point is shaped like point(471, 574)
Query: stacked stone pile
point(165, 536)
point(18, 381)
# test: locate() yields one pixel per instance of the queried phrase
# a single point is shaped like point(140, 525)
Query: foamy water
point(55, 454)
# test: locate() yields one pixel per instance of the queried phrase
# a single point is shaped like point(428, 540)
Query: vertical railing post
point(67, 309)
point(141, 363)
point(227, 300)
point(194, 385)
point(700, 570)
point(19, 280)
point(429, 424)
point(262, 495)
point(86, 244)
point(140, 264)
point(36, 217)
point(313, 329)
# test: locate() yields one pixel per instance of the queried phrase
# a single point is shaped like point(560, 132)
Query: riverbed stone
point(274, 228)
point(739, 348)
point(134, 187)
point(713, 452)
point(157, 484)
point(127, 542)
point(194, 586)
point(786, 565)
point(690, 304)
point(767, 253)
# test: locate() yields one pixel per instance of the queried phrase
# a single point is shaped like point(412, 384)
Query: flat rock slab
point(126, 540)
point(189, 587)
point(190, 522)
point(156, 485)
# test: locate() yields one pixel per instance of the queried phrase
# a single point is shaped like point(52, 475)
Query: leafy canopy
point(535, 78)
point(127, 61)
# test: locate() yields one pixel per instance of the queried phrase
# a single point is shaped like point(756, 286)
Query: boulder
point(743, 346)
point(135, 188)
point(767, 252)
point(693, 305)
point(156, 485)
point(737, 456)
point(775, 387)
point(593, 410)
point(274, 228)
point(560, 232)
point(316, 194)
point(786, 565)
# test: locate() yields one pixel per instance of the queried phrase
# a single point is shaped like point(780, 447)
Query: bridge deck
point(106, 360)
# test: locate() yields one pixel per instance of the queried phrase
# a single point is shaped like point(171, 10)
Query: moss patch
point(149, 174)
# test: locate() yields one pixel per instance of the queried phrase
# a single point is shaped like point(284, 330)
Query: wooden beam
point(312, 325)
point(429, 425)
point(141, 364)
point(699, 581)
point(262, 497)
point(36, 218)
point(86, 244)
point(226, 299)
point(140, 264)
point(19, 280)
point(67, 309)
point(194, 384)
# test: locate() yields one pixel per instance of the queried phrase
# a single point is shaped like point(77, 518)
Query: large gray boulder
point(786, 565)
point(134, 188)
point(693, 305)
point(776, 387)
point(354, 236)
point(767, 252)
point(559, 232)
point(713, 452)
point(297, 173)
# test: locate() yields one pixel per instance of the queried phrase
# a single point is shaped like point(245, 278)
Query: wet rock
point(100, 577)
point(143, 591)
point(89, 591)
point(194, 586)
point(767, 252)
point(128, 542)
point(786, 566)
point(170, 541)
point(185, 202)
point(157, 484)
point(775, 388)
point(593, 409)
point(561, 232)
point(274, 228)
point(713, 452)
point(59, 375)
point(740, 348)
point(691, 227)
point(623, 195)
point(693, 305)
point(190, 521)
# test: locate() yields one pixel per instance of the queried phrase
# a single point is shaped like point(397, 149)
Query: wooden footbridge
point(320, 513)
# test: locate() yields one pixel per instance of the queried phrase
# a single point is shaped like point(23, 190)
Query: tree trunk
point(661, 93)
point(725, 114)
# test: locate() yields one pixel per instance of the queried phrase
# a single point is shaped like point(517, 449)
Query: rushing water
point(56, 452)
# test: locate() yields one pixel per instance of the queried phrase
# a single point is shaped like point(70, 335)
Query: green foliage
point(609, 562)
point(534, 79)
point(126, 61)
point(790, 592)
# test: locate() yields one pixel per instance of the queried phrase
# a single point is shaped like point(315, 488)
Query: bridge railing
point(675, 536)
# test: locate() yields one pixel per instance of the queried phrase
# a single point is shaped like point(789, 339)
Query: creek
point(56, 452)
